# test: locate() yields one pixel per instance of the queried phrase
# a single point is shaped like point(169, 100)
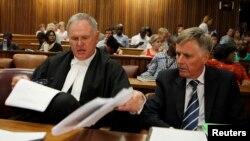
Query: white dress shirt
point(76, 76)
point(200, 93)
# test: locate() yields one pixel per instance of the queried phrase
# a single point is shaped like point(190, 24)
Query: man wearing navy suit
point(218, 92)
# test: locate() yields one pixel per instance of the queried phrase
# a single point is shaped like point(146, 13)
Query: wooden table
point(245, 96)
point(149, 87)
point(138, 84)
point(143, 86)
point(76, 135)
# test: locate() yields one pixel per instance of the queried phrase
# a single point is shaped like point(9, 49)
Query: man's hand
point(135, 104)
point(16, 78)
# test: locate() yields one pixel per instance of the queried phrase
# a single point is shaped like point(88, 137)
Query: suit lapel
point(179, 91)
point(210, 91)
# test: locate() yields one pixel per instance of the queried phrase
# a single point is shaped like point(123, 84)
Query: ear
point(206, 57)
point(97, 35)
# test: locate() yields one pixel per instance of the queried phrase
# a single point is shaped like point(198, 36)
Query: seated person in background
point(228, 38)
point(51, 26)
point(61, 34)
point(148, 31)
point(215, 41)
point(120, 37)
point(109, 44)
point(242, 53)
point(164, 34)
point(206, 23)
point(155, 43)
point(97, 76)
point(50, 43)
point(162, 60)
point(41, 29)
point(224, 59)
point(41, 38)
point(140, 40)
point(218, 98)
point(10, 45)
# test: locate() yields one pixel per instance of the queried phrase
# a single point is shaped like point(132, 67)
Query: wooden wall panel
point(24, 16)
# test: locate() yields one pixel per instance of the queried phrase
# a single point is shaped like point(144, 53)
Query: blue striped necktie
point(191, 116)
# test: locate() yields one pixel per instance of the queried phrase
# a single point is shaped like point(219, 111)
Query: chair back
point(6, 76)
point(6, 63)
point(131, 70)
point(30, 61)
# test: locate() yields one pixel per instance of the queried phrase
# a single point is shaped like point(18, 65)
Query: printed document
point(91, 112)
point(171, 134)
point(30, 95)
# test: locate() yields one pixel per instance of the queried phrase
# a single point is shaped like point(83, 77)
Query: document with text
point(88, 114)
point(171, 134)
point(30, 95)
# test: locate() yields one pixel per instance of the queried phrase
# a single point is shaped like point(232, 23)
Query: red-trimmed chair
point(5, 83)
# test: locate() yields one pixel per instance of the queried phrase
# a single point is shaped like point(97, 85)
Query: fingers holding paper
point(135, 104)
point(16, 78)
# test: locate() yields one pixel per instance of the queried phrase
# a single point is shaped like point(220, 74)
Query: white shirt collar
point(200, 78)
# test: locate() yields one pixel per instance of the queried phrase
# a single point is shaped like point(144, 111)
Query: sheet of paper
point(91, 112)
point(30, 95)
point(21, 136)
point(161, 134)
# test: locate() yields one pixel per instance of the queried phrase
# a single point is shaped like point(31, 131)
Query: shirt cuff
point(139, 112)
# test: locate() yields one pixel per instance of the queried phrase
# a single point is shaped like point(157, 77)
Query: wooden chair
point(30, 61)
point(6, 63)
point(6, 76)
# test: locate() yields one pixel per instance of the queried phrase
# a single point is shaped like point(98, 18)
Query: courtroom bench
point(141, 61)
point(131, 51)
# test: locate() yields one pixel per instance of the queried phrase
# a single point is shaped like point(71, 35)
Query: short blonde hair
point(62, 23)
point(162, 30)
point(51, 26)
point(153, 38)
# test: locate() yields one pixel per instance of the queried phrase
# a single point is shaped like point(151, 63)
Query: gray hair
point(82, 16)
point(197, 34)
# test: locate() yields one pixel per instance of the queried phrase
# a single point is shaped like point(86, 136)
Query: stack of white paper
point(91, 112)
point(30, 95)
point(21, 136)
point(171, 134)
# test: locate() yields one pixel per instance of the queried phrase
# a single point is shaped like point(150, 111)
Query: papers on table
point(91, 112)
point(21, 136)
point(146, 78)
point(30, 95)
point(171, 134)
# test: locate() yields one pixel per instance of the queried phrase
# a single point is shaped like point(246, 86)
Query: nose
point(79, 42)
point(179, 59)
